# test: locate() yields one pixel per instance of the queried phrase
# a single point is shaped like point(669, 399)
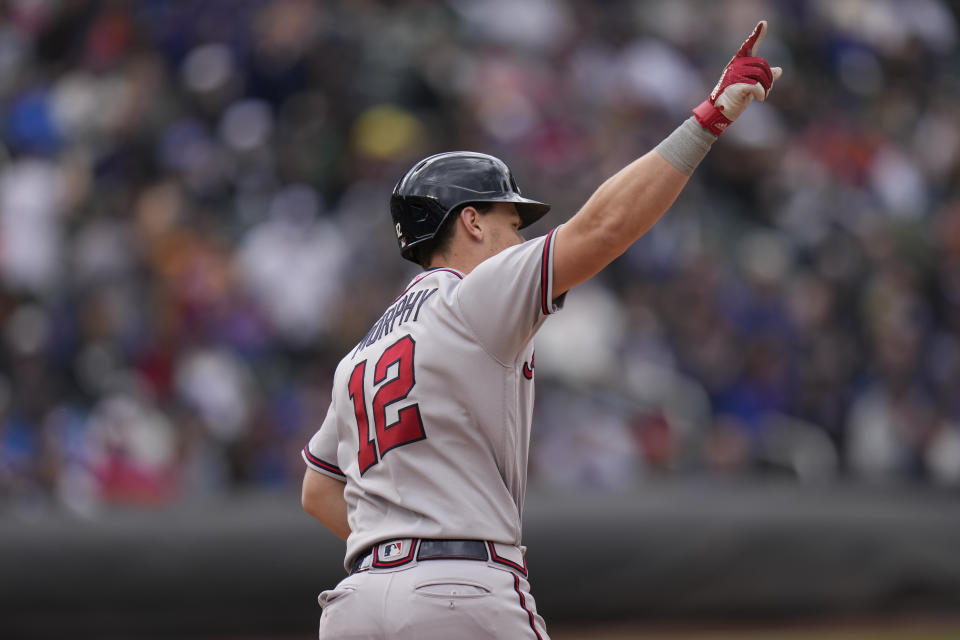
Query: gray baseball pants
point(437, 599)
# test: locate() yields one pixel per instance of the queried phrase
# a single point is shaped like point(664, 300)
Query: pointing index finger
point(751, 44)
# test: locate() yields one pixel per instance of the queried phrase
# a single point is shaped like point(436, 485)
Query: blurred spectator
point(193, 226)
point(293, 265)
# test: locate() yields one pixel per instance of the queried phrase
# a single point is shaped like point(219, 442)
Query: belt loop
point(518, 564)
point(363, 560)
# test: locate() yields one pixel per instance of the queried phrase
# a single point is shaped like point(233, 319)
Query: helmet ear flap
point(416, 220)
point(419, 212)
point(423, 251)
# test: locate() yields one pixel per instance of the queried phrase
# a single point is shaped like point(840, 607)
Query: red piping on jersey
point(544, 272)
point(332, 468)
point(528, 368)
point(523, 604)
point(424, 275)
point(502, 560)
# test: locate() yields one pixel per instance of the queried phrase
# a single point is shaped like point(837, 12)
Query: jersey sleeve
point(507, 297)
point(320, 454)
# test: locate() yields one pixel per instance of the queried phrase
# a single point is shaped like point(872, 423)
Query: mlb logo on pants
point(393, 550)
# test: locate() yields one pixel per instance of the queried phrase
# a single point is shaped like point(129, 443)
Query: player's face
point(503, 227)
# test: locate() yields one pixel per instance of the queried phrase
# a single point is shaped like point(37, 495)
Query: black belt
point(425, 550)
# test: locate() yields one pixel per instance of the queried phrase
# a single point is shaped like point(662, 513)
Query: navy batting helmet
point(437, 185)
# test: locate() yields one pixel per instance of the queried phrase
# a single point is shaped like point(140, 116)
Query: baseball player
point(421, 462)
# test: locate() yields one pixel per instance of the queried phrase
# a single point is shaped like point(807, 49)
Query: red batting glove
point(744, 78)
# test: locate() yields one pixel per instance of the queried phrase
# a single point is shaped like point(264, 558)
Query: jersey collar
point(426, 273)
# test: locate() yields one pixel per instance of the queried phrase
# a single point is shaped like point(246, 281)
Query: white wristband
point(687, 146)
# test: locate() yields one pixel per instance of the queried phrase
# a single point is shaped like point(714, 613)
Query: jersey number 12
point(408, 427)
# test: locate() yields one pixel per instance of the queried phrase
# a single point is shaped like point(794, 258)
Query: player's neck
point(464, 262)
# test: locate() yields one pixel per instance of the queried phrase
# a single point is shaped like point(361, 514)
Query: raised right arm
point(620, 211)
point(631, 201)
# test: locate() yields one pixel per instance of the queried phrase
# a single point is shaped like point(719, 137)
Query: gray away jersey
point(429, 425)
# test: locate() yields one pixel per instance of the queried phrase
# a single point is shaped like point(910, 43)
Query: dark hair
point(423, 253)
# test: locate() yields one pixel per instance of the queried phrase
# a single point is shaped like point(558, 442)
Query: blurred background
point(194, 228)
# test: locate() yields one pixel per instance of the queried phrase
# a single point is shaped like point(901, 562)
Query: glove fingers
point(746, 78)
point(758, 69)
point(749, 46)
point(761, 90)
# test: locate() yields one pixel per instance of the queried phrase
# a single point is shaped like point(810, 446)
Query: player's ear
point(470, 221)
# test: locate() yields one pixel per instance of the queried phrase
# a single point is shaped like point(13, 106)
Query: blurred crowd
point(194, 228)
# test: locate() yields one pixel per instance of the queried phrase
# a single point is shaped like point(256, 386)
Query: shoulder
point(533, 250)
point(527, 260)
